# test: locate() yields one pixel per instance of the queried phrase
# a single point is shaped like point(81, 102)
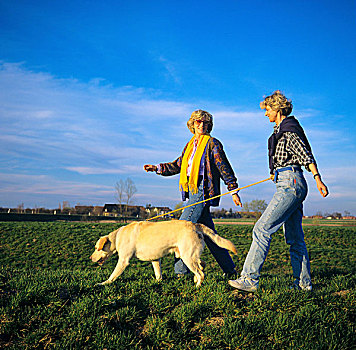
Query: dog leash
point(205, 200)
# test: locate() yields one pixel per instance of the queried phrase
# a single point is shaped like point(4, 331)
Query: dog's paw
point(103, 283)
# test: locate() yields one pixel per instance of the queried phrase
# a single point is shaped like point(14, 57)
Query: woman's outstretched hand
point(319, 183)
point(150, 167)
point(237, 200)
point(321, 187)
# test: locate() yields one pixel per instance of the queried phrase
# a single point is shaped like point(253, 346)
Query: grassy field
point(306, 221)
point(48, 297)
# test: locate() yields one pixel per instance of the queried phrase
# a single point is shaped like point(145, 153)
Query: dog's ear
point(112, 235)
point(102, 242)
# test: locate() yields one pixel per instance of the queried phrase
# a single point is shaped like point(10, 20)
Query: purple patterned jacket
point(216, 166)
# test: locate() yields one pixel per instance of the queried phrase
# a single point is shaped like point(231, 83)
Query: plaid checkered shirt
point(291, 150)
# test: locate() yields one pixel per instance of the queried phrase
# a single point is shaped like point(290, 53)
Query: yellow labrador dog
point(150, 241)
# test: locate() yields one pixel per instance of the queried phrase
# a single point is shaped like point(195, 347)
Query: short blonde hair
point(200, 115)
point(278, 102)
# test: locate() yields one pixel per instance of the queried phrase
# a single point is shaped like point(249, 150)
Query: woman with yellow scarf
point(201, 165)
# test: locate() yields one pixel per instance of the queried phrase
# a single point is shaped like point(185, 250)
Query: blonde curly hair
point(278, 102)
point(200, 115)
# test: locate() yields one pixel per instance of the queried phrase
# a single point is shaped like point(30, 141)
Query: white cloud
point(45, 184)
point(126, 169)
point(170, 69)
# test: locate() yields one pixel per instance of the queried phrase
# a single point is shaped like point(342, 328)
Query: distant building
point(83, 209)
point(157, 210)
point(123, 210)
point(98, 210)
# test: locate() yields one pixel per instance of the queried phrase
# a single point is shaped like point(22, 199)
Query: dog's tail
point(220, 241)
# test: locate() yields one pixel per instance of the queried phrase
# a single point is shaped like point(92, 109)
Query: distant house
point(83, 209)
point(111, 210)
point(98, 210)
point(157, 210)
point(123, 210)
point(316, 217)
point(44, 211)
point(349, 217)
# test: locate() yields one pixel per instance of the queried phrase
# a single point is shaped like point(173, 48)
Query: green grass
point(331, 222)
point(306, 221)
point(252, 220)
point(48, 297)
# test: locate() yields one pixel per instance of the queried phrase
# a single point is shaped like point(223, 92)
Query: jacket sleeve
point(296, 146)
point(223, 165)
point(172, 168)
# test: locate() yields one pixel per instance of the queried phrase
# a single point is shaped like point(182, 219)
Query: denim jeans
point(285, 208)
point(201, 213)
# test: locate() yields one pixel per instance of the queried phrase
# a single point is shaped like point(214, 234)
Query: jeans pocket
point(286, 180)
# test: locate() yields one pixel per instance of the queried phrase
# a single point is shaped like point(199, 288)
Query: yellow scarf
point(194, 173)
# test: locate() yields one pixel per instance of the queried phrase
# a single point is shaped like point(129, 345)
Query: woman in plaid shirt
point(289, 150)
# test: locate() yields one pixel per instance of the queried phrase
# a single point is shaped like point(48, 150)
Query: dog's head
point(105, 247)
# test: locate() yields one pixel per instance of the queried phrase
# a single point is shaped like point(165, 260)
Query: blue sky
point(89, 92)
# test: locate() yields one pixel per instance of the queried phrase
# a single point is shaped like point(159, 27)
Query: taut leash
point(205, 200)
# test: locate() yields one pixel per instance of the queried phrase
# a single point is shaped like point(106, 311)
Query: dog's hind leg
point(157, 268)
point(195, 267)
point(119, 269)
point(200, 272)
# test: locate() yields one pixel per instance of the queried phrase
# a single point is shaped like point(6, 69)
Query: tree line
point(125, 191)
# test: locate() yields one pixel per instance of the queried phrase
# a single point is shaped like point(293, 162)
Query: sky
point(91, 91)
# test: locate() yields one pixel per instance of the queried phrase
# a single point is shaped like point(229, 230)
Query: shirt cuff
point(159, 169)
point(307, 166)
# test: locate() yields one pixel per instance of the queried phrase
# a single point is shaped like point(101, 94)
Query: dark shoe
point(230, 275)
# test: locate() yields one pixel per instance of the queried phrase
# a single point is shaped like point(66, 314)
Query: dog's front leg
point(119, 269)
point(157, 268)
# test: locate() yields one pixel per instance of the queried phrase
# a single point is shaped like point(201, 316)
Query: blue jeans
point(201, 213)
point(285, 208)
